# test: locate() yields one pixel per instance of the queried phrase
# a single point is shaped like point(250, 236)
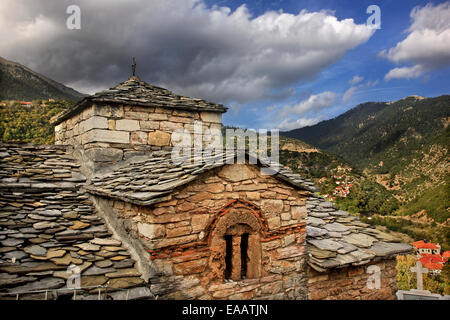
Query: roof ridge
point(135, 91)
point(159, 176)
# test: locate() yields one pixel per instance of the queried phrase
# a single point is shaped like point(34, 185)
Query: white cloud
point(348, 94)
point(312, 106)
point(357, 84)
point(299, 123)
point(314, 103)
point(355, 80)
point(207, 52)
point(370, 83)
point(405, 72)
point(427, 46)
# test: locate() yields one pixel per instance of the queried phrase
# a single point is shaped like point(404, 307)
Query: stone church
point(108, 199)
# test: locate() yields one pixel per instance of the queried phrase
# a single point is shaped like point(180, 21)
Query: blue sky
point(276, 64)
point(362, 61)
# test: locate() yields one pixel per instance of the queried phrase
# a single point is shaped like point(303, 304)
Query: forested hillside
point(29, 123)
point(402, 146)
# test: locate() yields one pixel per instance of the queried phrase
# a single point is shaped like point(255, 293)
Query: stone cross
point(419, 270)
point(133, 66)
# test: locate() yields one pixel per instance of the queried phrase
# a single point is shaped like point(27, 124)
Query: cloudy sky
point(283, 64)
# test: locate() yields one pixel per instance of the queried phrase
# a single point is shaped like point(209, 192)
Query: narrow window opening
point(244, 249)
point(228, 253)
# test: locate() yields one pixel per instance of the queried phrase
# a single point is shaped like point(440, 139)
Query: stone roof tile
point(46, 226)
point(136, 92)
point(157, 178)
point(354, 242)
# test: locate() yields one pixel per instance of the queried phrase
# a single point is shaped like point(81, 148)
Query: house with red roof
point(433, 262)
point(421, 247)
point(430, 255)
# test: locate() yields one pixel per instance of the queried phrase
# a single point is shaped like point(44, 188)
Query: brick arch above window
point(237, 212)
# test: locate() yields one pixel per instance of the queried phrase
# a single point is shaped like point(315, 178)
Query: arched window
point(237, 252)
point(237, 246)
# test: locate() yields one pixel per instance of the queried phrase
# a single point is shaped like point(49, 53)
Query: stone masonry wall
point(111, 133)
point(351, 283)
point(184, 236)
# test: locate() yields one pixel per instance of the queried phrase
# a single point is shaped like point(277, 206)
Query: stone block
point(215, 117)
point(274, 223)
point(138, 137)
point(94, 122)
point(181, 119)
point(112, 124)
point(289, 239)
point(252, 195)
point(170, 126)
point(199, 222)
point(214, 187)
point(185, 206)
point(104, 154)
point(289, 252)
point(151, 231)
point(250, 187)
point(272, 206)
point(176, 232)
point(272, 288)
point(108, 111)
point(282, 267)
point(285, 216)
point(237, 172)
point(149, 125)
point(185, 113)
point(157, 116)
point(87, 113)
point(175, 241)
point(136, 115)
point(269, 245)
point(190, 267)
point(298, 212)
point(159, 138)
point(319, 278)
point(99, 135)
point(127, 125)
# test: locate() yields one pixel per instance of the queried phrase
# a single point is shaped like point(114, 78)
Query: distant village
point(24, 103)
point(428, 253)
point(342, 180)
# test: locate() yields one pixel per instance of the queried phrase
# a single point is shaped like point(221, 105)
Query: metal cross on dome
point(133, 66)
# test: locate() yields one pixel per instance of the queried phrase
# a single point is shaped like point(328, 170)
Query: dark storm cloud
point(211, 53)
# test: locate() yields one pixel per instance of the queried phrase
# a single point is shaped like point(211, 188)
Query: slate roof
point(334, 237)
point(48, 223)
point(337, 239)
point(149, 180)
point(139, 93)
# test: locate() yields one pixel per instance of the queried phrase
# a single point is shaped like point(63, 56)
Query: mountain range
point(402, 145)
point(18, 82)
